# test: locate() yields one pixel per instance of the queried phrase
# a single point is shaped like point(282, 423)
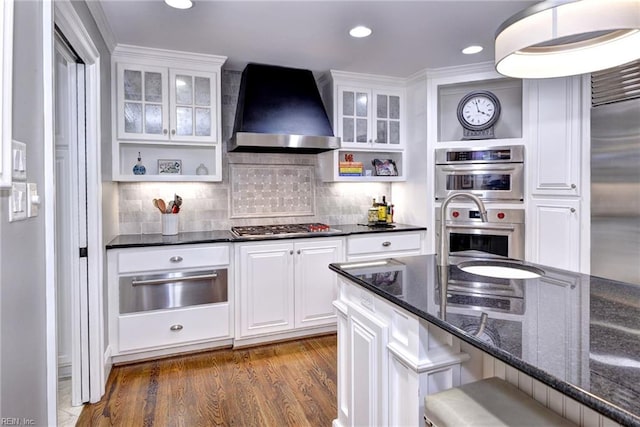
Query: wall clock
point(478, 112)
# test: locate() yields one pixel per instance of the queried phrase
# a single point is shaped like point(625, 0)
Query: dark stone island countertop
point(576, 333)
point(221, 236)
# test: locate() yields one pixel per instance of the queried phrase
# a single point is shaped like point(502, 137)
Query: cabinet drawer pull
point(176, 328)
point(385, 244)
point(172, 279)
point(175, 259)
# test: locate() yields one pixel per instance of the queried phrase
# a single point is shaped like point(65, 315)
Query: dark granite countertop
point(578, 334)
point(221, 236)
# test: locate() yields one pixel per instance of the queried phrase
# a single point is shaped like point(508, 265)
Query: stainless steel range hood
point(280, 110)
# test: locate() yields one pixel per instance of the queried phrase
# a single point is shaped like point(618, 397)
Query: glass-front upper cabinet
point(142, 102)
point(369, 117)
point(193, 112)
point(387, 119)
point(354, 108)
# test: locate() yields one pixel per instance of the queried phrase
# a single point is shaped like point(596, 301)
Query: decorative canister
point(169, 224)
point(372, 215)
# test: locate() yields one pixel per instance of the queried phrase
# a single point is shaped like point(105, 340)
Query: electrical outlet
point(18, 202)
point(33, 201)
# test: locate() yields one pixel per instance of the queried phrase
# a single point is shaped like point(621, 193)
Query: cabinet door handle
point(291, 252)
point(164, 131)
point(175, 259)
point(176, 328)
point(572, 210)
point(385, 244)
point(299, 252)
point(573, 186)
point(173, 131)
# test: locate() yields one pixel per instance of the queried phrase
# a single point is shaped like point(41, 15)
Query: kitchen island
point(569, 340)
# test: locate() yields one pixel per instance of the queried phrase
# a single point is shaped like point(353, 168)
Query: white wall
point(22, 271)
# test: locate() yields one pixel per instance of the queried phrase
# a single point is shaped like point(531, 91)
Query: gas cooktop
point(282, 230)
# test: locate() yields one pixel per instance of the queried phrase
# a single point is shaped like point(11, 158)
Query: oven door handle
point(173, 279)
point(451, 226)
point(478, 169)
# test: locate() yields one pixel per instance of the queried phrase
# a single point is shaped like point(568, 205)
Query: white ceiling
point(408, 36)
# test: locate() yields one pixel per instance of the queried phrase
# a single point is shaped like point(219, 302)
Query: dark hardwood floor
point(286, 384)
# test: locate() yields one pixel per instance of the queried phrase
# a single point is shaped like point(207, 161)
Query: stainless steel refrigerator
point(615, 189)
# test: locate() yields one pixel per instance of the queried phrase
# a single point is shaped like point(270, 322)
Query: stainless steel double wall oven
point(494, 174)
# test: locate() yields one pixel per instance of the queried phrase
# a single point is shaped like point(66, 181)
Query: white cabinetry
point(160, 300)
point(554, 230)
point(384, 245)
point(285, 286)
point(388, 360)
point(369, 117)
point(557, 163)
point(555, 149)
point(167, 108)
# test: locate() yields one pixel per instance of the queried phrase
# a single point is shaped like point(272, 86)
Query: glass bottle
point(138, 168)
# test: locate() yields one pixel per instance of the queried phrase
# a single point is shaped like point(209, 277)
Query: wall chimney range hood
point(280, 110)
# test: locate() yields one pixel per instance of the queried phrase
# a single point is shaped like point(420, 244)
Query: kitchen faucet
point(444, 243)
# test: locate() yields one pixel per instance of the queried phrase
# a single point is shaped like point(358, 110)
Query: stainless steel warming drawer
point(141, 293)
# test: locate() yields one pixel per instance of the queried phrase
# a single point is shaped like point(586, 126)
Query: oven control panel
point(514, 216)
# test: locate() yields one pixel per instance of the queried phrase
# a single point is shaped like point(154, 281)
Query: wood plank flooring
point(285, 384)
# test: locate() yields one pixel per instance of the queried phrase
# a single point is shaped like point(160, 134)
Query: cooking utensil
point(170, 206)
point(178, 200)
point(162, 206)
point(155, 203)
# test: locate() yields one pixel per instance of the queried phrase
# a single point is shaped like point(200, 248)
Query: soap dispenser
point(138, 168)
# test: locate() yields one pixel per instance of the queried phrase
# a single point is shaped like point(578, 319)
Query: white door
point(71, 221)
point(316, 287)
point(266, 288)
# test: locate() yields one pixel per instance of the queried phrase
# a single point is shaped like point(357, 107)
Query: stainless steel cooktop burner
point(282, 230)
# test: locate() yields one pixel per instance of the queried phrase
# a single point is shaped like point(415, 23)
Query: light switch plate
point(33, 199)
point(18, 202)
point(18, 161)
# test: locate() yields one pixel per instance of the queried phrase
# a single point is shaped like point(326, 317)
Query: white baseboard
point(64, 370)
point(283, 336)
point(168, 352)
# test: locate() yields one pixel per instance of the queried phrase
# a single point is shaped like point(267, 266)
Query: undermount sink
point(501, 269)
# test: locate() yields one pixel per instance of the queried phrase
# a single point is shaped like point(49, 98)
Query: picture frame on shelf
point(169, 167)
point(385, 167)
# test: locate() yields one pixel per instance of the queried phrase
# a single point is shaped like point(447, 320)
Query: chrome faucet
point(444, 243)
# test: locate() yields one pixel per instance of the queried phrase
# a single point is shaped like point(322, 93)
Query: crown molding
point(95, 8)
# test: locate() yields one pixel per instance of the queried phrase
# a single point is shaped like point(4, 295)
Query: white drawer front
point(154, 329)
point(383, 243)
point(171, 257)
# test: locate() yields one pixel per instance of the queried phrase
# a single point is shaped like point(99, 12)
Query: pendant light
point(558, 38)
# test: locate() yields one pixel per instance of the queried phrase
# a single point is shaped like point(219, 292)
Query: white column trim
point(71, 25)
point(49, 211)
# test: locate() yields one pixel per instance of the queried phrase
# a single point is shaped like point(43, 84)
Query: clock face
point(478, 110)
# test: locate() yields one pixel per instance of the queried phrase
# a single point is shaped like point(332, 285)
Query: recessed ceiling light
point(470, 50)
point(360, 31)
point(179, 4)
